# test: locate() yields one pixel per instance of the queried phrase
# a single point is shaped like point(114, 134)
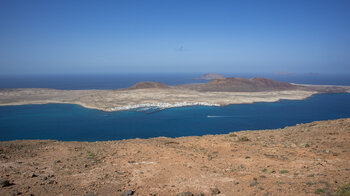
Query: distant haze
point(270, 36)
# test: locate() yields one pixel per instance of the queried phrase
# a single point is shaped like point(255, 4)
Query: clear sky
point(59, 36)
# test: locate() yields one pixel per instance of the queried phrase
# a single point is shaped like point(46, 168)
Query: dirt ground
point(307, 159)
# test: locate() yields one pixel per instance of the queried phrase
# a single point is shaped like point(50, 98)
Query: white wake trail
point(219, 116)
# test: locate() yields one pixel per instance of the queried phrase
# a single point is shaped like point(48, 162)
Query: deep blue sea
point(72, 122)
point(114, 81)
point(69, 122)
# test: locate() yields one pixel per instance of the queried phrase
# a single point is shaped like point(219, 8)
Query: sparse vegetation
point(232, 135)
point(344, 190)
point(284, 171)
point(209, 157)
point(264, 170)
point(90, 154)
point(243, 139)
point(319, 191)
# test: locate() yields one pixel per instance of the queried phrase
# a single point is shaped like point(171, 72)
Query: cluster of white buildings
point(161, 105)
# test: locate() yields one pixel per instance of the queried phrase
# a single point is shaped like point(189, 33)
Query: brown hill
point(143, 85)
point(242, 85)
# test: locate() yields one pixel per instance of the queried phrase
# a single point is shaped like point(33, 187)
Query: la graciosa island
point(217, 92)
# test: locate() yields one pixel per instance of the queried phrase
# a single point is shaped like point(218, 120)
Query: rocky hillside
point(307, 159)
point(242, 85)
point(143, 85)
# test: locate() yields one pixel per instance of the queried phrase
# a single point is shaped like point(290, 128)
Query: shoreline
point(121, 100)
point(159, 106)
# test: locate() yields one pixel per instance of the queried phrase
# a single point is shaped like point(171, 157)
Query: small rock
point(33, 175)
point(253, 184)
point(185, 194)
point(51, 181)
point(127, 193)
point(215, 191)
point(309, 183)
point(5, 183)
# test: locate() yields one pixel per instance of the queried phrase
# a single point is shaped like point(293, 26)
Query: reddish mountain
point(143, 85)
point(242, 85)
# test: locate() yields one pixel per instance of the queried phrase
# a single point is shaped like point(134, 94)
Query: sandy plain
point(114, 100)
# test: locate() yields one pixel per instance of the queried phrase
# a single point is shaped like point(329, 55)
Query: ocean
point(68, 122)
point(114, 81)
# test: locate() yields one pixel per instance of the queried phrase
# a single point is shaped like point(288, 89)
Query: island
point(211, 76)
point(217, 92)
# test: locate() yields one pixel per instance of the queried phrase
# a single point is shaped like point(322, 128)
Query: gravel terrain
point(306, 159)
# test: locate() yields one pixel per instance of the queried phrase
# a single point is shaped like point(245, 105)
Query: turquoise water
point(72, 122)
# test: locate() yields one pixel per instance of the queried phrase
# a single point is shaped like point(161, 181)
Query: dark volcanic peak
point(143, 85)
point(243, 85)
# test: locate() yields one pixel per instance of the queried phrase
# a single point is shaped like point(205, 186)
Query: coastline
point(118, 100)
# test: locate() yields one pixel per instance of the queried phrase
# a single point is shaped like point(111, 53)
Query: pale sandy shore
point(150, 94)
point(115, 100)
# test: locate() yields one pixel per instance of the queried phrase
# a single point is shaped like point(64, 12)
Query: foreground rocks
point(308, 159)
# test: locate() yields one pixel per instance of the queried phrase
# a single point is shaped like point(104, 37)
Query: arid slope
point(145, 85)
point(242, 85)
point(306, 159)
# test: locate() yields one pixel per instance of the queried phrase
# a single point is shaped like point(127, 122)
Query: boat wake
point(219, 116)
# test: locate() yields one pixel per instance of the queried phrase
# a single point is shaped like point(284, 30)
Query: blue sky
point(86, 36)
